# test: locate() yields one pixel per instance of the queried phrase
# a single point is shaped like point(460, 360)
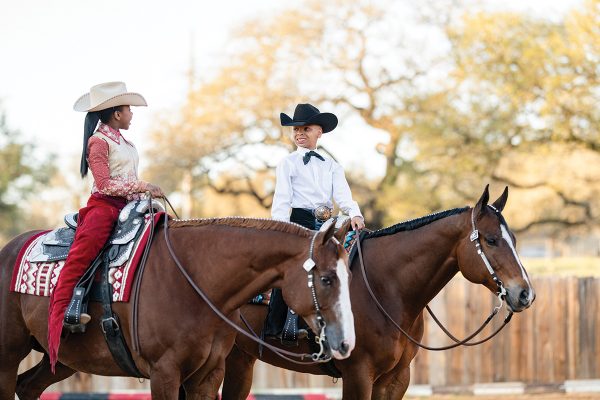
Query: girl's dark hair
point(89, 127)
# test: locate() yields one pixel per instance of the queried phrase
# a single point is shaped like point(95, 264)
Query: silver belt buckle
point(322, 213)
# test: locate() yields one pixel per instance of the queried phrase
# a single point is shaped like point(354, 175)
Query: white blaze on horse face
point(344, 308)
point(506, 236)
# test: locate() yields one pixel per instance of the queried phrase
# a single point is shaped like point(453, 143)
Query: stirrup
point(76, 316)
point(289, 334)
point(84, 318)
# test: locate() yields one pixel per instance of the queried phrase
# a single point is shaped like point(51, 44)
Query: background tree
point(20, 176)
point(526, 93)
point(470, 98)
point(231, 121)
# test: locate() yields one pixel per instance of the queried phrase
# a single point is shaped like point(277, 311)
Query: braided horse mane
point(415, 223)
point(243, 222)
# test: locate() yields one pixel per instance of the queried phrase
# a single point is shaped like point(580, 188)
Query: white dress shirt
point(310, 186)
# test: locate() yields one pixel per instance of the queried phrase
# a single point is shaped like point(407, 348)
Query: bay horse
point(182, 341)
point(406, 266)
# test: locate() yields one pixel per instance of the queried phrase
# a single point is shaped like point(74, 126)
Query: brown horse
point(406, 266)
point(182, 340)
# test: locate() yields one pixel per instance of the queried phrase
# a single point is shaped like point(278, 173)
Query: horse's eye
point(326, 281)
point(490, 241)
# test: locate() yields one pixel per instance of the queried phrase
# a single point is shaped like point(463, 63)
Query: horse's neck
point(414, 266)
point(271, 259)
point(231, 277)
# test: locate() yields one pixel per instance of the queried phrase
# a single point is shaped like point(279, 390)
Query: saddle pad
point(350, 244)
point(39, 278)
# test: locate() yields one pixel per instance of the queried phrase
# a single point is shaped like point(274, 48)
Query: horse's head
point(488, 255)
point(320, 290)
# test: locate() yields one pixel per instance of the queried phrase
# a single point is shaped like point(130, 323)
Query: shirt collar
point(112, 134)
point(304, 150)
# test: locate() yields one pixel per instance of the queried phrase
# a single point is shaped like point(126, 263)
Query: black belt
point(320, 214)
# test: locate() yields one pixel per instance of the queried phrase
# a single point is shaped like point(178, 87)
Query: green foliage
point(20, 175)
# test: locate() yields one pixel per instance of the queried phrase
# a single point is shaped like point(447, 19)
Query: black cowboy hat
point(307, 114)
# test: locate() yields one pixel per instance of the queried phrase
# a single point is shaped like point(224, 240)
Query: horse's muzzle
point(345, 348)
point(519, 298)
point(341, 349)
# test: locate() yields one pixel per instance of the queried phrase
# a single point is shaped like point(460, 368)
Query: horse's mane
point(415, 223)
point(243, 222)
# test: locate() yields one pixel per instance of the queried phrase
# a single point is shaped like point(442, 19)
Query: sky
point(52, 52)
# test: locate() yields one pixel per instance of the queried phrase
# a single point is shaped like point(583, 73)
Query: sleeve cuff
point(356, 214)
point(143, 186)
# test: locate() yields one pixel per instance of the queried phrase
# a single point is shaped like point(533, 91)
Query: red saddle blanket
point(39, 278)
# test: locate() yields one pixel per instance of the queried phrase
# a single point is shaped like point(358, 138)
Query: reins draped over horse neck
point(142, 267)
point(474, 236)
point(308, 266)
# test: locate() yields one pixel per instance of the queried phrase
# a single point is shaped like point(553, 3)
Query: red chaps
point(94, 226)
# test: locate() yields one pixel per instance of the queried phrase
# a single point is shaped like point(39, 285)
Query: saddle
point(56, 244)
point(116, 252)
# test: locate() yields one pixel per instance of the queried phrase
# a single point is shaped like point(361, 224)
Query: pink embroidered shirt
point(114, 164)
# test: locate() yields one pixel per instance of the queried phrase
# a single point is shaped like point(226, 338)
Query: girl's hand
point(155, 190)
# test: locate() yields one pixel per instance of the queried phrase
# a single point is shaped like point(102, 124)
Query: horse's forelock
point(244, 222)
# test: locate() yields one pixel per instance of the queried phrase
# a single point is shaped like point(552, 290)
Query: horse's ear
point(327, 230)
point(501, 201)
point(342, 231)
point(483, 200)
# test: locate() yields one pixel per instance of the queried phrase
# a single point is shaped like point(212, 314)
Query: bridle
point(474, 237)
point(308, 265)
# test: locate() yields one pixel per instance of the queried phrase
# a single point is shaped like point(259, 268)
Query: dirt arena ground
point(547, 396)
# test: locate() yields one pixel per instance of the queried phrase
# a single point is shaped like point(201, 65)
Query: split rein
point(474, 237)
point(308, 266)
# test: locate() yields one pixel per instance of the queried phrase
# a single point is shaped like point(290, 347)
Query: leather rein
point(308, 266)
point(474, 237)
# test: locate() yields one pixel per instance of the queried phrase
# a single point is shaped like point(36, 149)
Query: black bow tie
point(310, 154)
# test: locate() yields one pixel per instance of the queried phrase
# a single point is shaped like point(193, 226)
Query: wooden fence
point(554, 340)
point(557, 339)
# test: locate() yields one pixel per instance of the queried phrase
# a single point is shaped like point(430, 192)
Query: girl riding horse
point(113, 161)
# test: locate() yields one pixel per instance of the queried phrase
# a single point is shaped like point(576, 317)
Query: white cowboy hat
point(106, 95)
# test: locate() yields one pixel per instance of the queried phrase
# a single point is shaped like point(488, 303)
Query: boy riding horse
point(307, 184)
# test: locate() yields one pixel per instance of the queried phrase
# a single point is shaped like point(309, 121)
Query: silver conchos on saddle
point(56, 244)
